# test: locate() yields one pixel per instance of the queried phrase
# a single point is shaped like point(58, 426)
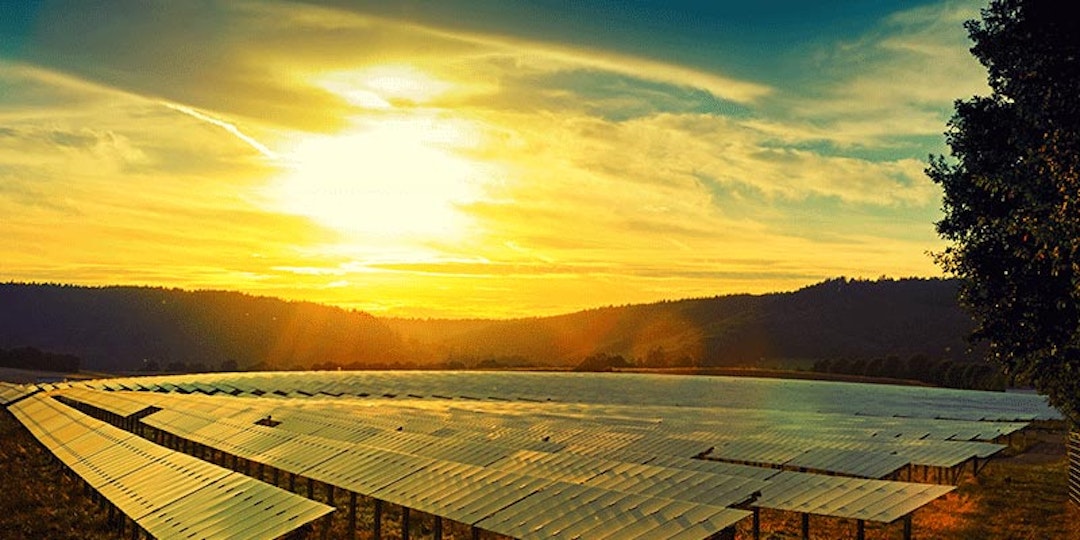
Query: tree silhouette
point(1011, 195)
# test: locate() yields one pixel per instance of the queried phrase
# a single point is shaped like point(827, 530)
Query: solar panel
point(861, 463)
point(167, 493)
point(853, 498)
point(411, 439)
point(10, 393)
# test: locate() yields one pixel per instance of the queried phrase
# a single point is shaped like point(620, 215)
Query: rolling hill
point(131, 328)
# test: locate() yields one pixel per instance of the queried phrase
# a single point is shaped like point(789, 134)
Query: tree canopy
point(1011, 195)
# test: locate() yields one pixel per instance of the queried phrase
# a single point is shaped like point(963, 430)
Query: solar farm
point(518, 455)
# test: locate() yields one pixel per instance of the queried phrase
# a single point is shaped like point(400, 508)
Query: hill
point(838, 318)
point(131, 328)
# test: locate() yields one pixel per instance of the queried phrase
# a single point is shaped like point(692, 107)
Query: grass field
point(1021, 495)
point(36, 499)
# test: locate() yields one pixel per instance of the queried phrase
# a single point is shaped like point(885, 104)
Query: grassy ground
point(36, 499)
point(1020, 495)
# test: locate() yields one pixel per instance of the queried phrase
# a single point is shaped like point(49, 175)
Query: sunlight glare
point(379, 87)
point(395, 178)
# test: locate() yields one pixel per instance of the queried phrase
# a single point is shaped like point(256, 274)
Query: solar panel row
point(497, 455)
point(738, 436)
point(711, 392)
point(853, 498)
point(168, 494)
point(382, 460)
point(10, 393)
point(444, 480)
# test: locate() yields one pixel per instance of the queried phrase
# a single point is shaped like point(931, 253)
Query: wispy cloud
point(897, 81)
point(230, 128)
point(594, 175)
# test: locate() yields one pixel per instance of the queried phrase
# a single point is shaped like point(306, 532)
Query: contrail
point(262, 149)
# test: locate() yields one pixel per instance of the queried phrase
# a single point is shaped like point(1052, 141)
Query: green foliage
point(1011, 195)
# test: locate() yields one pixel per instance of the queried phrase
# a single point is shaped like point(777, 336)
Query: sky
point(485, 158)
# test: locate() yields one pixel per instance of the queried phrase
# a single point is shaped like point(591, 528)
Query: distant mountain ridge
point(131, 328)
point(837, 318)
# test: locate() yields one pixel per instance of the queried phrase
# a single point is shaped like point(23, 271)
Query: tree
point(1011, 196)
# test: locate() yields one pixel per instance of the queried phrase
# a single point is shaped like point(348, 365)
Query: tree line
point(939, 372)
point(36, 359)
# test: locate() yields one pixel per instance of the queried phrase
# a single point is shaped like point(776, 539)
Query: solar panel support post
point(757, 523)
point(327, 522)
point(979, 468)
point(907, 527)
point(475, 533)
point(352, 515)
point(805, 526)
point(438, 528)
point(404, 523)
point(860, 530)
point(376, 528)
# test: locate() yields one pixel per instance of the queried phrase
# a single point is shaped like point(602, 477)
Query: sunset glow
point(397, 179)
point(466, 160)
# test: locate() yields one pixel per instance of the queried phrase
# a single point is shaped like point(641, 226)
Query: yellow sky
point(408, 169)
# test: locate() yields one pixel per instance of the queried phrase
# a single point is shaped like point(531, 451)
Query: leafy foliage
point(1011, 195)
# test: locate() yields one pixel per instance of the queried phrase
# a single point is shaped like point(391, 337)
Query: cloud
point(894, 82)
point(100, 186)
point(554, 57)
point(600, 177)
point(229, 128)
point(193, 53)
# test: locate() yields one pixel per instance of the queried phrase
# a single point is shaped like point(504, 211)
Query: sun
point(399, 174)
